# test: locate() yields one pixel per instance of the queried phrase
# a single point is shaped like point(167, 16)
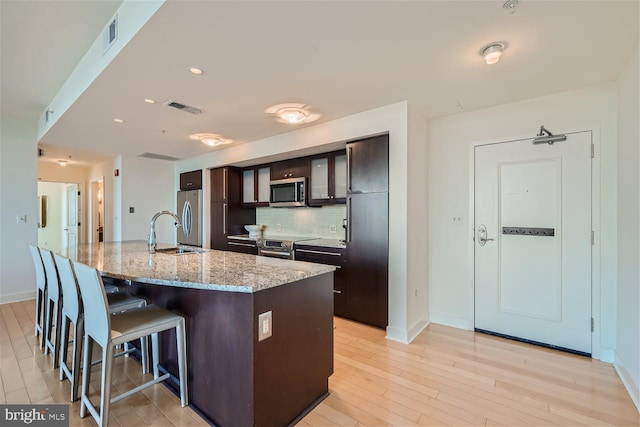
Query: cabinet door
point(319, 179)
point(340, 177)
point(219, 225)
point(242, 246)
point(248, 187)
point(263, 178)
point(219, 184)
point(191, 180)
point(293, 168)
point(367, 258)
point(368, 165)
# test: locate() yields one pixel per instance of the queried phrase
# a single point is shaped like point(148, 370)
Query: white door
point(71, 226)
point(533, 241)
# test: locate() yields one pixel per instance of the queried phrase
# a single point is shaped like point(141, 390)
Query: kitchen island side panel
point(219, 348)
point(292, 366)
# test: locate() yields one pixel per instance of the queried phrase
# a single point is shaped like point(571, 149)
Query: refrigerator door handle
point(186, 218)
point(224, 218)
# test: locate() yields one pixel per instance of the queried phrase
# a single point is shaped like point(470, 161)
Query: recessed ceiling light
point(149, 101)
point(62, 163)
point(492, 52)
point(118, 120)
point(292, 113)
point(211, 139)
point(195, 70)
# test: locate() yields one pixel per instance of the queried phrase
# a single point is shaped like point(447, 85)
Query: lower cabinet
point(329, 256)
point(243, 246)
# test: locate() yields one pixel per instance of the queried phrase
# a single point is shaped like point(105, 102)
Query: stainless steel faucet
point(153, 244)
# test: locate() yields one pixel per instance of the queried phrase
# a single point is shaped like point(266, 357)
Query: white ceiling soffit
point(340, 58)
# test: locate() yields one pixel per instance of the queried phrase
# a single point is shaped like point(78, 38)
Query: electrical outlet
point(457, 220)
point(265, 325)
point(21, 219)
point(278, 227)
point(332, 229)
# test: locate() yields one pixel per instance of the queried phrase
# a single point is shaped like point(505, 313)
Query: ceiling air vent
point(192, 110)
point(110, 34)
point(158, 156)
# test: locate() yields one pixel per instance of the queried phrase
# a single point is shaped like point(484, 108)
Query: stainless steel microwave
point(290, 192)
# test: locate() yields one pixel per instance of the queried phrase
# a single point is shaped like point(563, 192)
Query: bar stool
point(54, 306)
point(72, 311)
point(111, 330)
point(41, 293)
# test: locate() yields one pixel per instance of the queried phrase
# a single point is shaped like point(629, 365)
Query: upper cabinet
point(328, 179)
point(368, 165)
point(191, 180)
point(255, 186)
point(293, 168)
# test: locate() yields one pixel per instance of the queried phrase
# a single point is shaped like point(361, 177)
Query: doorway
point(59, 215)
point(532, 241)
point(97, 210)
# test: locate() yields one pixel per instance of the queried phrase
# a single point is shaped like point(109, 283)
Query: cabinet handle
point(349, 220)
point(224, 219)
point(337, 292)
point(349, 157)
point(241, 244)
point(224, 187)
point(309, 251)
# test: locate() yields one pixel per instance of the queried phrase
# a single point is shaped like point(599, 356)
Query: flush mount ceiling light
point(292, 113)
point(195, 70)
point(63, 163)
point(492, 52)
point(211, 139)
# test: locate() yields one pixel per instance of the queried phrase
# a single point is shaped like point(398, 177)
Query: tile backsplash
point(305, 222)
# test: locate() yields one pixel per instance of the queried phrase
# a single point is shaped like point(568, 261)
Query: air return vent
point(110, 34)
point(179, 106)
point(158, 156)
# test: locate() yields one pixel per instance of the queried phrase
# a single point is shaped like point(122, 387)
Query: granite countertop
point(211, 269)
point(324, 243)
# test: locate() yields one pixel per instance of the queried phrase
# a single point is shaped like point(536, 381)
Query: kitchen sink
point(180, 250)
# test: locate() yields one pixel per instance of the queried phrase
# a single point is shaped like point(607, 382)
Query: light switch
point(132, 209)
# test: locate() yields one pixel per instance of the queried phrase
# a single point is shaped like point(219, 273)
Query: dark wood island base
point(236, 380)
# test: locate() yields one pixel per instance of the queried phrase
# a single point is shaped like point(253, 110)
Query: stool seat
point(139, 322)
point(123, 301)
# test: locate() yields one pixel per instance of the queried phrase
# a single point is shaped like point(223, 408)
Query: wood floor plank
point(446, 377)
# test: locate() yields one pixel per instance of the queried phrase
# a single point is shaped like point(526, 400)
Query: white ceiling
point(338, 57)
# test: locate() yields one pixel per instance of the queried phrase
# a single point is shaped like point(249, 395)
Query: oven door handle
point(275, 254)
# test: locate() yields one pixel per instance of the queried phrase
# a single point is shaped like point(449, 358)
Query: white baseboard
point(408, 335)
point(632, 387)
point(22, 296)
point(454, 322)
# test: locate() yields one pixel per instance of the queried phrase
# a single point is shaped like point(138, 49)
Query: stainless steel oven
point(275, 248)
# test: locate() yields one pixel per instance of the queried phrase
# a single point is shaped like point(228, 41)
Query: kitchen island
point(235, 379)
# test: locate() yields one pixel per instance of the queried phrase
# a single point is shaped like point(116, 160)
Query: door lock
point(482, 235)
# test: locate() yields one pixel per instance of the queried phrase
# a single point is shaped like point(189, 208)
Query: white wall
point(627, 356)
point(417, 296)
point(18, 196)
point(148, 186)
point(392, 119)
point(51, 236)
point(450, 138)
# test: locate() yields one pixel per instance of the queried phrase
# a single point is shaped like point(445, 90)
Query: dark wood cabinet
point(293, 168)
point(329, 256)
point(243, 246)
point(228, 218)
point(367, 235)
point(368, 165)
point(367, 258)
point(255, 186)
point(328, 179)
point(191, 180)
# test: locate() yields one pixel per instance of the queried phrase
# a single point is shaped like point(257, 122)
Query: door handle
point(482, 235)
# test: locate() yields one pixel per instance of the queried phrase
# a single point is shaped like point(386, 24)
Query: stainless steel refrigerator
point(190, 213)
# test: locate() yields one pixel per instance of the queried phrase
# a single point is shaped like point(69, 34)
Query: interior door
point(71, 226)
point(533, 241)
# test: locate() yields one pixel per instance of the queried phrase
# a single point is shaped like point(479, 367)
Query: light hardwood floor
point(445, 377)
